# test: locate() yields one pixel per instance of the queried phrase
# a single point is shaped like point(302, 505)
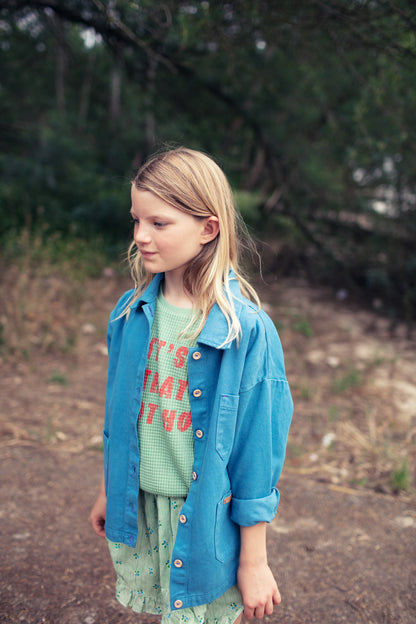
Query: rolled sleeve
point(250, 512)
point(260, 442)
point(264, 415)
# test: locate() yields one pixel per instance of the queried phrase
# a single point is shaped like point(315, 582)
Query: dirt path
point(339, 556)
point(341, 551)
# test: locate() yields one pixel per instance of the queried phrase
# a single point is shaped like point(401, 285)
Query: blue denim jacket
point(241, 411)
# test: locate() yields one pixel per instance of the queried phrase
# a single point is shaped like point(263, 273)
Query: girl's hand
point(258, 589)
point(97, 515)
point(255, 580)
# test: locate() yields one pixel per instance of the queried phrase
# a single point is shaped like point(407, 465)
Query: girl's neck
point(175, 293)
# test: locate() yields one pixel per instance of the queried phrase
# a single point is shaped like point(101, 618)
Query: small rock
point(342, 294)
point(101, 348)
point(21, 536)
point(328, 439)
point(332, 361)
point(96, 440)
point(315, 357)
point(405, 522)
point(88, 328)
point(108, 272)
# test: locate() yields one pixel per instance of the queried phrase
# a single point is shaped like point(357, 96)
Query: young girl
point(197, 408)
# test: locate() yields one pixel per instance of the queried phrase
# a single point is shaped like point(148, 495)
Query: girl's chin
point(149, 261)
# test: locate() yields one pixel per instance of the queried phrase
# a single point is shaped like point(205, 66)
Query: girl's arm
point(255, 579)
point(97, 515)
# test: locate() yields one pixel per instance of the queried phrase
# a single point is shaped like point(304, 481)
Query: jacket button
point(178, 563)
point(199, 434)
point(182, 518)
point(177, 604)
point(197, 393)
point(194, 476)
point(196, 355)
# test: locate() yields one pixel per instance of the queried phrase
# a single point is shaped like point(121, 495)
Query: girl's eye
point(159, 224)
point(135, 221)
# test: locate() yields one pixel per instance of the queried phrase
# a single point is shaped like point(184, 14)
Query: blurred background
point(309, 107)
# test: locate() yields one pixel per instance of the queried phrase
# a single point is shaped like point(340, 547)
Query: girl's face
point(167, 238)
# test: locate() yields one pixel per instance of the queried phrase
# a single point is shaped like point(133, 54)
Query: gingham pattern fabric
point(164, 423)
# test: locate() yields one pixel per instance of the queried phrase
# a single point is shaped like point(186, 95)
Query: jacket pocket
point(226, 532)
point(106, 453)
point(227, 416)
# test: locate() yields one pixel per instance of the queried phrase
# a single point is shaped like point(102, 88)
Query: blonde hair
point(193, 183)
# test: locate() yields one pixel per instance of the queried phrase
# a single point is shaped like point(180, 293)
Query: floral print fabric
point(143, 572)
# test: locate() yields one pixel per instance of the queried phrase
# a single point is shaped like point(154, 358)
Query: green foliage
point(58, 182)
point(309, 108)
point(303, 326)
point(333, 413)
point(58, 378)
point(306, 392)
point(400, 478)
point(43, 281)
point(351, 379)
point(77, 258)
point(294, 450)
point(247, 203)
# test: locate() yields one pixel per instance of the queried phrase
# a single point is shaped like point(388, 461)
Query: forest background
point(308, 106)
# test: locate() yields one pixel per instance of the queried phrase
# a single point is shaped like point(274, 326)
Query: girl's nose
point(141, 234)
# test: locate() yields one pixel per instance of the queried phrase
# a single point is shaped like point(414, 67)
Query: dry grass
point(42, 288)
point(352, 382)
point(353, 387)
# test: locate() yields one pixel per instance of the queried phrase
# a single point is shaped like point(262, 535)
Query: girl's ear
point(211, 230)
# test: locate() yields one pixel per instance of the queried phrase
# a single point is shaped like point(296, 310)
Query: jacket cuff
point(247, 512)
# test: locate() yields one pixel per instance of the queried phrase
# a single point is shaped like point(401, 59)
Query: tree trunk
point(150, 122)
point(59, 28)
point(84, 102)
point(115, 94)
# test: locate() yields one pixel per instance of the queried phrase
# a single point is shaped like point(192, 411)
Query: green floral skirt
point(143, 572)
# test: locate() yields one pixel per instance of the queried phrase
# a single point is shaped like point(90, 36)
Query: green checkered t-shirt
point(164, 424)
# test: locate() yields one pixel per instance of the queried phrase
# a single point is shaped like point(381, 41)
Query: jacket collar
point(215, 330)
point(150, 293)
